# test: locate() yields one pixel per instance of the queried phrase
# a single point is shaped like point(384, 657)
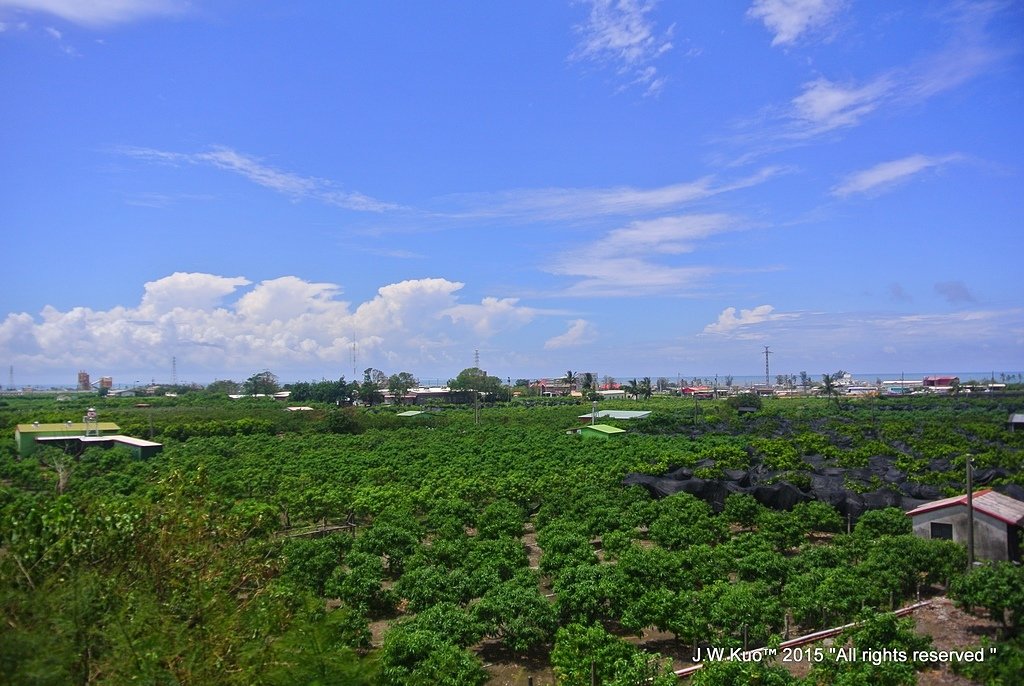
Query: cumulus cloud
point(955, 292)
point(580, 332)
point(100, 12)
point(492, 315)
point(730, 323)
point(886, 175)
point(190, 291)
point(790, 19)
point(222, 325)
point(620, 33)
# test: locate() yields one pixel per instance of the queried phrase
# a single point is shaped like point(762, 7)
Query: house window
point(940, 530)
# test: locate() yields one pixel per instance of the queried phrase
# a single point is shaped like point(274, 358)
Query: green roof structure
point(600, 431)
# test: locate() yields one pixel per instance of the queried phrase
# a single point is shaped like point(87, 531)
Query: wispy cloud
point(579, 333)
point(620, 33)
point(637, 259)
point(731, 324)
point(824, 105)
point(955, 292)
point(885, 175)
point(788, 20)
point(255, 170)
point(95, 13)
point(558, 204)
point(898, 293)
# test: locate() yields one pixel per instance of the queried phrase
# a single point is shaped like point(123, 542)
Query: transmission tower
point(767, 375)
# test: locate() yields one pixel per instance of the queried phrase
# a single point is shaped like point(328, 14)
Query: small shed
point(1016, 421)
point(998, 520)
point(600, 431)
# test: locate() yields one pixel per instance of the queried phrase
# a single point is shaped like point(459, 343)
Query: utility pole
point(970, 513)
point(767, 375)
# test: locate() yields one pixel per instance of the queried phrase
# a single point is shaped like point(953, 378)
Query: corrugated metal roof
point(73, 426)
point(1017, 418)
point(1001, 507)
point(116, 438)
point(619, 414)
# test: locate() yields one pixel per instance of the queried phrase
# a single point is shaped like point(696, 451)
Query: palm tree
point(645, 388)
point(633, 388)
point(588, 381)
point(570, 378)
point(828, 387)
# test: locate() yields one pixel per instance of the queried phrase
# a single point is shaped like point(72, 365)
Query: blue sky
point(631, 188)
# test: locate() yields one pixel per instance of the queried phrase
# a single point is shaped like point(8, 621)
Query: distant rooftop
point(618, 414)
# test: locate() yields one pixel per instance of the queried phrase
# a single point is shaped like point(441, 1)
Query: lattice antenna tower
point(476, 358)
point(10, 378)
point(767, 374)
point(174, 371)
point(354, 378)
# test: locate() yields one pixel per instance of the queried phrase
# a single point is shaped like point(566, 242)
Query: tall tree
point(264, 382)
point(369, 390)
point(399, 384)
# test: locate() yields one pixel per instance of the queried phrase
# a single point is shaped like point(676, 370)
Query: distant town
point(404, 388)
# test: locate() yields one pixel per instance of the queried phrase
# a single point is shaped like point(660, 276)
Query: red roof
point(995, 505)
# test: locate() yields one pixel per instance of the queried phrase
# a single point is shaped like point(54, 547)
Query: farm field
point(485, 552)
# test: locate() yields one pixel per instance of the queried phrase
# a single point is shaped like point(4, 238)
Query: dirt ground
point(950, 628)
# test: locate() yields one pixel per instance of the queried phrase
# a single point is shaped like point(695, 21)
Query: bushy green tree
point(582, 649)
point(890, 521)
point(998, 587)
point(517, 614)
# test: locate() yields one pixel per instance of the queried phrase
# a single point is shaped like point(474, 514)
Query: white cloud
point(492, 315)
point(191, 291)
point(100, 12)
point(580, 332)
point(885, 175)
point(284, 324)
point(824, 105)
point(619, 32)
point(295, 186)
point(664, 235)
point(556, 204)
point(729, 323)
point(790, 19)
point(631, 261)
